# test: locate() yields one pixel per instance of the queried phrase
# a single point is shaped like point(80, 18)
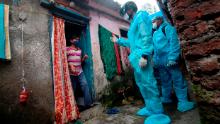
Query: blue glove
point(171, 63)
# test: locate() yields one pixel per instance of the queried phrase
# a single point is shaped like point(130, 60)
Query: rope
point(22, 55)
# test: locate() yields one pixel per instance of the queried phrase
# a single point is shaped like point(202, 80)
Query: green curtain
point(85, 45)
point(107, 53)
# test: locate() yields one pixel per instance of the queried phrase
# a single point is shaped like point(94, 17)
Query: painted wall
point(37, 63)
point(37, 67)
point(112, 25)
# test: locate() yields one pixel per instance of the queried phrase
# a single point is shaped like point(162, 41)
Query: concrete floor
point(127, 115)
point(97, 115)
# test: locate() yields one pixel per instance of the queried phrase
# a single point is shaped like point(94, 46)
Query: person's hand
point(171, 63)
point(143, 62)
point(74, 39)
point(114, 39)
point(85, 57)
point(72, 68)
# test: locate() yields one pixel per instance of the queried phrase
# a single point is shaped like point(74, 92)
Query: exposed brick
point(182, 3)
point(211, 83)
point(192, 14)
point(210, 7)
point(216, 99)
point(204, 11)
point(202, 27)
point(209, 66)
point(183, 17)
point(196, 80)
point(190, 33)
point(217, 22)
point(178, 13)
point(198, 24)
point(203, 49)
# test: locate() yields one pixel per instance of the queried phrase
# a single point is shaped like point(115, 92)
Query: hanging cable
point(23, 97)
point(22, 56)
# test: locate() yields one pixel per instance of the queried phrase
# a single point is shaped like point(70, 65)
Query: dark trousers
point(80, 82)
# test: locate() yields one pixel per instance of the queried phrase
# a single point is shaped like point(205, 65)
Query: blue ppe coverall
point(167, 51)
point(140, 43)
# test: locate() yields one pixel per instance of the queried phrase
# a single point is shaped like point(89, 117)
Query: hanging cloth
point(125, 53)
point(5, 49)
point(85, 45)
point(65, 105)
point(7, 41)
point(110, 54)
point(118, 57)
point(2, 32)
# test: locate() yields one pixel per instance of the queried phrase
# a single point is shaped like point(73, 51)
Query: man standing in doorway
point(78, 79)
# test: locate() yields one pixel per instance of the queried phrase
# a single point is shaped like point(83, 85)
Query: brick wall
point(198, 26)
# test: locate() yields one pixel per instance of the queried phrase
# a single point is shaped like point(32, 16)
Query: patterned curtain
point(65, 105)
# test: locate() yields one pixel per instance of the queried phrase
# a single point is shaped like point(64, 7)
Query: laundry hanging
point(125, 53)
point(5, 50)
point(65, 105)
point(110, 54)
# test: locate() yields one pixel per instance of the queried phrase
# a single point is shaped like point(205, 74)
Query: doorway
point(82, 31)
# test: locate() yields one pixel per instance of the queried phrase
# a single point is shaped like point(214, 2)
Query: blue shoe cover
point(144, 112)
point(166, 100)
point(158, 119)
point(185, 106)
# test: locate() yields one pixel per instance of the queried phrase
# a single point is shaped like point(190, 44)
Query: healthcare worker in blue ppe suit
point(141, 46)
point(165, 58)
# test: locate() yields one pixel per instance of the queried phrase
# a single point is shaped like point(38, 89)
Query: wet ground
point(97, 115)
point(126, 115)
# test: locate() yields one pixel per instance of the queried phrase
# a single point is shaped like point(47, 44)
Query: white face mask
point(154, 25)
point(164, 1)
point(126, 17)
